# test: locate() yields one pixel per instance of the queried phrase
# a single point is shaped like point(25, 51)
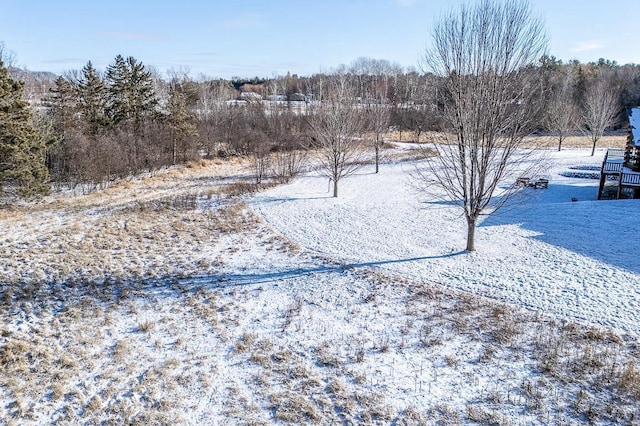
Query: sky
point(247, 38)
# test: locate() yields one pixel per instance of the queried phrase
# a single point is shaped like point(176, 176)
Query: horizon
point(249, 39)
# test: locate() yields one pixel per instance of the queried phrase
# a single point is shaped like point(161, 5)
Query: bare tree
point(379, 116)
point(283, 129)
point(7, 56)
point(486, 53)
point(335, 125)
point(562, 114)
point(373, 79)
point(600, 110)
point(213, 114)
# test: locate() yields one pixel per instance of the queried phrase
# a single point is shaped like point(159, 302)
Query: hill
point(176, 299)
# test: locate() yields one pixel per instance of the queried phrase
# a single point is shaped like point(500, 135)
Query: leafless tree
point(283, 130)
point(378, 117)
point(380, 91)
point(485, 52)
point(215, 118)
point(7, 56)
point(336, 124)
point(600, 110)
point(562, 116)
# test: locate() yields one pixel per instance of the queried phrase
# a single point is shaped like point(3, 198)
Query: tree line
point(93, 127)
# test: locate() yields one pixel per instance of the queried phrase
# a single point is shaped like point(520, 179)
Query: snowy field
point(170, 300)
point(573, 260)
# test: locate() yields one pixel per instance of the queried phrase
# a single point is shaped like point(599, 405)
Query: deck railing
point(613, 161)
point(612, 167)
point(614, 153)
point(628, 178)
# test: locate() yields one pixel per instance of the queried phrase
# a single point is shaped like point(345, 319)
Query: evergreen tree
point(131, 95)
point(182, 129)
point(92, 96)
point(22, 147)
point(63, 101)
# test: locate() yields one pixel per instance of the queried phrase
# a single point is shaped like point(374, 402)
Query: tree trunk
point(377, 158)
point(335, 187)
point(471, 231)
point(593, 149)
point(560, 144)
point(174, 152)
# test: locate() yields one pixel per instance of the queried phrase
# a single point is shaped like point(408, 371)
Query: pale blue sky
point(249, 38)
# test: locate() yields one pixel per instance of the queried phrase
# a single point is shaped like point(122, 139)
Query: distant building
point(250, 96)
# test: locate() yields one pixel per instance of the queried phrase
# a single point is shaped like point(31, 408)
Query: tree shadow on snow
point(269, 199)
point(233, 280)
point(114, 290)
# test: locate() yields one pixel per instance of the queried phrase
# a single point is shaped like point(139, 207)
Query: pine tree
point(183, 130)
point(92, 97)
point(22, 147)
point(131, 95)
point(63, 101)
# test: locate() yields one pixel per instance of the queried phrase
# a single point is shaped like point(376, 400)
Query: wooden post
point(619, 186)
point(603, 179)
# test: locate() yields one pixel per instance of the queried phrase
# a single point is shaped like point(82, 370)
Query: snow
point(355, 310)
point(575, 260)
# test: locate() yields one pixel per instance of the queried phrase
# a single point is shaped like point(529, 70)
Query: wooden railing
point(611, 167)
point(630, 179)
point(613, 161)
point(614, 153)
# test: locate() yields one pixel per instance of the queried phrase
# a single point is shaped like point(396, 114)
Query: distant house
point(250, 96)
point(276, 98)
point(623, 165)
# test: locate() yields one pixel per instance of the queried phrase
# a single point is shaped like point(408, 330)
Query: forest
point(89, 127)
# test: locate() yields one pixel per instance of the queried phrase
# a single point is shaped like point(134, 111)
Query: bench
point(541, 183)
point(524, 182)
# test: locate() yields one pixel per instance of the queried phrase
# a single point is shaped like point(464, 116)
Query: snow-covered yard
point(164, 301)
point(574, 260)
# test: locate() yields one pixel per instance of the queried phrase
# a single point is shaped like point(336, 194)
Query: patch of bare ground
point(184, 308)
point(538, 141)
point(581, 141)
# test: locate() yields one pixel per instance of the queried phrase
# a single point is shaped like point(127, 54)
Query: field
point(184, 298)
point(572, 141)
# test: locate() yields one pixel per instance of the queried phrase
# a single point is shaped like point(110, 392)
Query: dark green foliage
point(238, 82)
point(108, 126)
point(92, 97)
point(22, 147)
point(63, 103)
point(181, 127)
point(131, 95)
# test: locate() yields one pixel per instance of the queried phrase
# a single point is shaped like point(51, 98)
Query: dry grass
point(630, 379)
point(583, 141)
point(591, 370)
point(84, 340)
point(579, 141)
point(138, 243)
